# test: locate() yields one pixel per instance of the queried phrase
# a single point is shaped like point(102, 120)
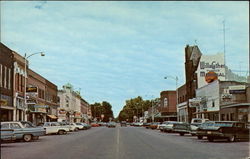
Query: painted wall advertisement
point(212, 64)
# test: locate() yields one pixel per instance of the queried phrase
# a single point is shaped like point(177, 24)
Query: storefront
point(235, 112)
point(6, 110)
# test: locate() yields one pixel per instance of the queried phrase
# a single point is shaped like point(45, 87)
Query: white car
point(161, 126)
point(68, 125)
point(78, 126)
point(54, 128)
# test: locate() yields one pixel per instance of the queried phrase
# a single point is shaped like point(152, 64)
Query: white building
point(70, 104)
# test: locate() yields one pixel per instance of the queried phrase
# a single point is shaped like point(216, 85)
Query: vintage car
point(54, 128)
point(24, 130)
point(181, 128)
point(169, 126)
point(154, 125)
point(68, 125)
point(111, 125)
point(123, 123)
point(230, 130)
point(7, 134)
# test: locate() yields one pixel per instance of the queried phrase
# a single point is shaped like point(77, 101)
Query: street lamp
point(25, 81)
point(176, 87)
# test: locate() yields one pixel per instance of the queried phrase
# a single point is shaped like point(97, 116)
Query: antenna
point(224, 37)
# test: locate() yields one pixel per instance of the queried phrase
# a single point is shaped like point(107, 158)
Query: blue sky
point(115, 51)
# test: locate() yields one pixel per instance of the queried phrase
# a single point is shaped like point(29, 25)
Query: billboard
point(210, 68)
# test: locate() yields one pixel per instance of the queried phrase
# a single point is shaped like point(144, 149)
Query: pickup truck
point(24, 130)
point(54, 128)
point(195, 123)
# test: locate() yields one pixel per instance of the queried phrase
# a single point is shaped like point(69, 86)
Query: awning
point(234, 105)
point(52, 116)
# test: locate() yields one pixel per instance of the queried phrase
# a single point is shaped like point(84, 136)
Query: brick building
point(167, 109)
point(6, 84)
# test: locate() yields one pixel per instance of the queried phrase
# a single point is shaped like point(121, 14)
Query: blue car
point(24, 130)
point(7, 134)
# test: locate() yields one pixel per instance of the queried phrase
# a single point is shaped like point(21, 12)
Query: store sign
point(194, 102)
point(41, 106)
point(31, 101)
point(238, 89)
point(31, 90)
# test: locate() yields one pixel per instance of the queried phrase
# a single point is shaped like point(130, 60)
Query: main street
point(123, 143)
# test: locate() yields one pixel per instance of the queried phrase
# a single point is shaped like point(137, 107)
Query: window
point(213, 104)
point(9, 85)
point(5, 77)
point(1, 75)
point(15, 126)
point(4, 125)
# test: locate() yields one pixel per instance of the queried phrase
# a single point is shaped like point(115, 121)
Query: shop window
point(227, 117)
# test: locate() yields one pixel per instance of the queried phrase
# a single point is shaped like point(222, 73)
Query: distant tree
point(104, 108)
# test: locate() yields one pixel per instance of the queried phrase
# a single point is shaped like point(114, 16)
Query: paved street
point(123, 143)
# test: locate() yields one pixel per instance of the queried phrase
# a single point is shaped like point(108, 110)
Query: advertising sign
point(210, 68)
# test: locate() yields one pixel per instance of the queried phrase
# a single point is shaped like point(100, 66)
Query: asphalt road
point(123, 143)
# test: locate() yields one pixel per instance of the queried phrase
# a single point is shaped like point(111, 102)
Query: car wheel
point(60, 132)
point(210, 139)
point(199, 137)
point(27, 138)
point(77, 129)
point(35, 137)
point(231, 138)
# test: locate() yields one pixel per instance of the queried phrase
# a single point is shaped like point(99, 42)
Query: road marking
point(117, 143)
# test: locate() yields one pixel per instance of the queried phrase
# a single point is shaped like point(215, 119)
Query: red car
point(95, 125)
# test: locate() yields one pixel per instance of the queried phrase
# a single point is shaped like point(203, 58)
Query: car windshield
point(28, 124)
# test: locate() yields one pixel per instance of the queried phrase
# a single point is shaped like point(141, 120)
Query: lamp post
point(176, 87)
point(26, 76)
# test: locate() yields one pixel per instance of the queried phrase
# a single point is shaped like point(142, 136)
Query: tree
point(104, 108)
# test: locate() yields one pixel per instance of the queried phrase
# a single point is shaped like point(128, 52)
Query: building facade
point(167, 108)
point(182, 112)
point(7, 109)
point(223, 100)
point(70, 104)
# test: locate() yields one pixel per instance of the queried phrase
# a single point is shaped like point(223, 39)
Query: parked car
point(169, 126)
point(79, 126)
point(181, 128)
point(7, 134)
point(195, 123)
point(123, 123)
point(230, 130)
point(154, 125)
point(111, 125)
point(24, 130)
point(162, 125)
point(68, 125)
point(146, 125)
point(54, 128)
point(94, 125)
point(86, 126)
point(138, 124)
